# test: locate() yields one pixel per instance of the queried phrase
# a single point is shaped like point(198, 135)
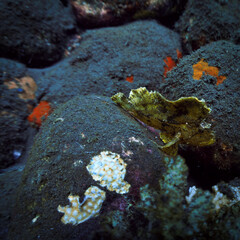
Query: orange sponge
point(40, 113)
point(202, 66)
point(170, 63)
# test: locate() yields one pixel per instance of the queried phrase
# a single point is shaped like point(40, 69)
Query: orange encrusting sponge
point(129, 79)
point(170, 63)
point(40, 113)
point(202, 66)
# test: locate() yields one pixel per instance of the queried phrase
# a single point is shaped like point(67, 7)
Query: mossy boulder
point(203, 22)
point(13, 114)
point(71, 136)
point(211, 74)
point(35, 32)
point(99, 13)
point(159, 203)
point(104, 60)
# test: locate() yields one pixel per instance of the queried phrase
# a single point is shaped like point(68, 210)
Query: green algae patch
point(181, 121)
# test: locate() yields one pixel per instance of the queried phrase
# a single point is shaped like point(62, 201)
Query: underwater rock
point(13, 113)
point(11, 69)
point(106, 59)
point(203, 22)
point(219, 59)
point(9, 181)
point(64, 163)
point(13, 133)
point(99, 13)
point(180, 122)
point(159, 204)
point(35, 32)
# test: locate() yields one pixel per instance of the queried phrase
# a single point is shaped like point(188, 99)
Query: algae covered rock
point(96, 173)
point(104, 60)
point(90, 154)
point(13, 114)
point(99, 13)
point(180, 121)
point(35, 32)
point(203, 22)
point(9, 181)
point(213, 65)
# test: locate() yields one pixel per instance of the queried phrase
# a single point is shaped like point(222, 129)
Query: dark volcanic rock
point(34, 32)
point(207, 21)
point(9, 181)
point(13, 130)
point(101, 64)
point(75, 133)
point(159, 204)
point(11, 69)
point(13, 114)
point(98, 13)
point(104, 60)
point(223, 99)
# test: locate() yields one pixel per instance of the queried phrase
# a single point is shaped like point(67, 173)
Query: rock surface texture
point(35, 32)
point(99, 13)
point(222, 98)
point(206, 21)
point(73, 135)
point(106, 58)
point(162, 163)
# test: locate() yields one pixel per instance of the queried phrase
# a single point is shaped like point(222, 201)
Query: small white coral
point(109, 169)
point(192, 192)
point(80, 212)
point(236, 193)
point(219, 199)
